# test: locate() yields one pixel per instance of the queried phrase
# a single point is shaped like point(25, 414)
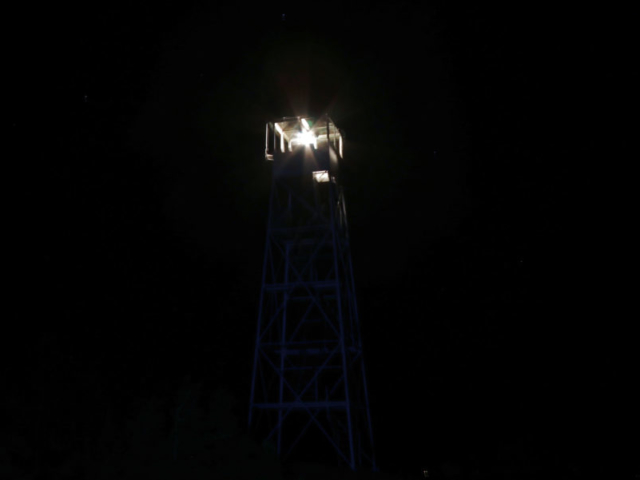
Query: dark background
point(475, 218)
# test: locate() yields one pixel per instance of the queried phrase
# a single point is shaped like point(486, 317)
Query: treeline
point(192, 434)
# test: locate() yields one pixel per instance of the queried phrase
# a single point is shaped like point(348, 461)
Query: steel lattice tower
point(309, 392)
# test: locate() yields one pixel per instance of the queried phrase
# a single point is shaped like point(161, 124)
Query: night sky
point(475, 221)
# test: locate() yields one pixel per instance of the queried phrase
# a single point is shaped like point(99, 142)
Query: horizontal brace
point(319, 227)
point(313, 367)
point(320, 284)
point(299, 351)
point(323, 343)
point(272, 347)
point(306, 298)
point(300, 405)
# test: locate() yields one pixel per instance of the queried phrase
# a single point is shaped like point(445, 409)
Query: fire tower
point(309, 392)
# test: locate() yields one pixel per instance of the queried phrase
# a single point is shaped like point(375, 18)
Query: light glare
point(304, 138)
point(321, 176)
point(279, 129)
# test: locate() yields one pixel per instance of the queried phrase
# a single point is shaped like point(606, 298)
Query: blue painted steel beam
point(308, 355)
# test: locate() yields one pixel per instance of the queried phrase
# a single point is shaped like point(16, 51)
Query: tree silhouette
point(194, 435)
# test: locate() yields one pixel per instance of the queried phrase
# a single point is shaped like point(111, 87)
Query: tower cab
point(301, 146)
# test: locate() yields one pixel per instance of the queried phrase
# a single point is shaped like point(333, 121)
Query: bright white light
point(321, 176)
point(305, 124)
point(340, 146)
point(304, 138)
point(279, 129)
